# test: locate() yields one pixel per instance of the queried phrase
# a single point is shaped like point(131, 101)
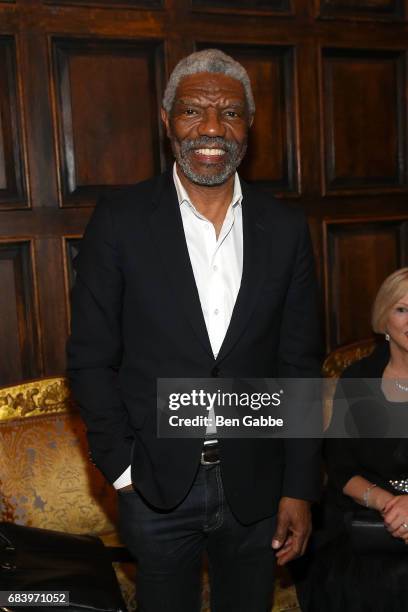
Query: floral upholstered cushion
point(47, 480)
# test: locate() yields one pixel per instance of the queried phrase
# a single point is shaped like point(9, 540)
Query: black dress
point(340, 580)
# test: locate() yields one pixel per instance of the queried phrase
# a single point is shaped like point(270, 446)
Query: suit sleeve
point(94, 349)
point(300, 353)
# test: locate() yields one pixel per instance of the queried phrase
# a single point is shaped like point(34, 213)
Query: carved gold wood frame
point(35, 398)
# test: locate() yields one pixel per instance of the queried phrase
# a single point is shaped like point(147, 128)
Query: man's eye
point(231, 113)
point(402, 309)
point(190, 111)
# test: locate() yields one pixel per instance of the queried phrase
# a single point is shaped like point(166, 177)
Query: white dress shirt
point(217, 267)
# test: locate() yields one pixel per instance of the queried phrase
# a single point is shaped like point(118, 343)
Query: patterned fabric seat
point(47, 481)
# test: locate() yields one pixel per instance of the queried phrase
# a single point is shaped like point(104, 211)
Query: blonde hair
point(391, 291)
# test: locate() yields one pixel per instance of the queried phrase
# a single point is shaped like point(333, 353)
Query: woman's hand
point(362, 491)
point(380, 498)
point(395, 516)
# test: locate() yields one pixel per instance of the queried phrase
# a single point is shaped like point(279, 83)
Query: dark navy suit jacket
point(136, 316)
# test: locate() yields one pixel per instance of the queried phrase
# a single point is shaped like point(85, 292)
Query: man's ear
point(166, 120)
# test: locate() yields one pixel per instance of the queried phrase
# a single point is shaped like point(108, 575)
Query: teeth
point(210, 151)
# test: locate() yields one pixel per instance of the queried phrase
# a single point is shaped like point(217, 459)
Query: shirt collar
point(183, 197)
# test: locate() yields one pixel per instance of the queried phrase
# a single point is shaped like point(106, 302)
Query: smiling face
point(397, 324)
point(208, 127)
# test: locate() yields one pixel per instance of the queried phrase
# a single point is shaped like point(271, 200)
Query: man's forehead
point(210, 83)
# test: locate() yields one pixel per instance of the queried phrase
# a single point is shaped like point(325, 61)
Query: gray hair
point(208, 60)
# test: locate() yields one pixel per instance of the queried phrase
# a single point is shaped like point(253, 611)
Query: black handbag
point(369, 535)
point(34, 559)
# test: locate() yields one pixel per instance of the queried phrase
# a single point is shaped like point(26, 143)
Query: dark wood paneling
point(71, 251)
point(364, 103)
point(53, 307)
point(270, 6)
point(110, 3)
point(107, 109)
point(11, 162)
point(19, 324)
point(372, 9)
point(359, 256)
point(271, 159)
point(80, 86)
point(71, 245)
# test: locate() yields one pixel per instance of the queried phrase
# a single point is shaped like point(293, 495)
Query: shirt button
point(215, 268)
point(216, 311)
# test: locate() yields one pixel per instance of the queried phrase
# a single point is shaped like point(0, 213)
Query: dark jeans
point(169, 548)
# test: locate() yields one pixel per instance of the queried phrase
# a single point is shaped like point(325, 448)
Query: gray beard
point(234, 154)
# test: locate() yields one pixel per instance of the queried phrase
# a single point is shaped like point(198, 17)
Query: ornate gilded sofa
point(333, 366)
point(47, 481)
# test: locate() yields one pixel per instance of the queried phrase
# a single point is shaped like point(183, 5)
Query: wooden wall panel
point(372, 9)
point(272, 151)
point(107, 109)
point(71, 250)
point(12, 192)
point(80, 87)
point(359, 256)
point(364, 106)
point(3, 173)
point(270, 6)
point(19, 323)
point(110, 3)
point(51, 281)
point(70, 247)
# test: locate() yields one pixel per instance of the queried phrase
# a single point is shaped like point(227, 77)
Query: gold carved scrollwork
point(39, 397)
point(342, 357)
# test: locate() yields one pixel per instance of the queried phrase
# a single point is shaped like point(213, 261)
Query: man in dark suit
point(194, 274)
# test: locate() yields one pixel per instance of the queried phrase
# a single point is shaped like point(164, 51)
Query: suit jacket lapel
point(256, 247)
point(168, 234)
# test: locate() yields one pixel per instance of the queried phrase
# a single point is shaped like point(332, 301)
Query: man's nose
point(211, 124)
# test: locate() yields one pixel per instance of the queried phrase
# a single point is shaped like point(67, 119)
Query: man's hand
point(395, 516)
point(294, 525)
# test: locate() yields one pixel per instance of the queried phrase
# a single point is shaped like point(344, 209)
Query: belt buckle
point(203, 461)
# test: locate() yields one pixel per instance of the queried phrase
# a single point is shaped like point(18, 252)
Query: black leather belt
point(210, 454)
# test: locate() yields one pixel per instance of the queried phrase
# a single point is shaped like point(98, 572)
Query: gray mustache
point(217, 142)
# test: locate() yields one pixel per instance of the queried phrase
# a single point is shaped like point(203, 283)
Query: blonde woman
point(368, 472)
